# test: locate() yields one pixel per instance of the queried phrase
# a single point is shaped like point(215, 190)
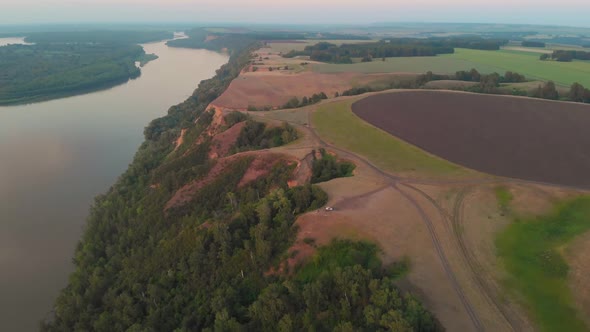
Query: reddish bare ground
point(260, 166)
point(222, 143)
point(302, 173)
point(218, 121)
point(522, 138)
point(276, 88)
point(180, 139)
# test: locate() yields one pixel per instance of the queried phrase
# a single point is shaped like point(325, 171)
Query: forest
point(208, 266)
point(100, 36)
point(65, 64)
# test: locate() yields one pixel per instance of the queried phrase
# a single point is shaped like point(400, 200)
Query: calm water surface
point(56, 156)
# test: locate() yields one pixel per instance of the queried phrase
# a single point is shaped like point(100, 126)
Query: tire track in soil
point(443, 259)
point(395, 180)
point(474, 265)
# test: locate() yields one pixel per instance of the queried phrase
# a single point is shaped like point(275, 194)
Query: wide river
point(56, 156)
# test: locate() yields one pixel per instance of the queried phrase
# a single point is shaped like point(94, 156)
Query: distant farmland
point(527, 63)
point(521, 138)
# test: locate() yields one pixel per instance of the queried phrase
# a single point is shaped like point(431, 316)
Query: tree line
point(566, 55)
point(486, 83)
point(399, 47)
point(99, 36)
point(530, 43)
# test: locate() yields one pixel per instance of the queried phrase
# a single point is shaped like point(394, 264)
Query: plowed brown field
point(522, 138)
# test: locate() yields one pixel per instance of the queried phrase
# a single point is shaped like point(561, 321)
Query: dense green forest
point(398, 47)
point(100, 36)
point(69, 63)
point(208, 265)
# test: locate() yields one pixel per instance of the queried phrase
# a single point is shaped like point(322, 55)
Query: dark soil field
point(522, 138)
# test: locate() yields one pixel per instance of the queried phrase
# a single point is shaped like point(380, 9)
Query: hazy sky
point(563, 12)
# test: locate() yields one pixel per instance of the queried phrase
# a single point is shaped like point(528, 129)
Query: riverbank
point(57, 156)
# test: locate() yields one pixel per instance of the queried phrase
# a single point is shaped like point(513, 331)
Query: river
point(56, 156)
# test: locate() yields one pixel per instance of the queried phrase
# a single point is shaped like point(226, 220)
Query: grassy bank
point(531, 252)
point(336, 123)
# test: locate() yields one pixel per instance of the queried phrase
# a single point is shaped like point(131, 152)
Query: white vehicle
point(329, 208)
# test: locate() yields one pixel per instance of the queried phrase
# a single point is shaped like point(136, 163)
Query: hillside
point(195, 235)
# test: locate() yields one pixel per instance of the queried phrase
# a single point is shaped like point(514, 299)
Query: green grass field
point(527, 63)
point(564, 73)
point(531, 252)
point(336, 123)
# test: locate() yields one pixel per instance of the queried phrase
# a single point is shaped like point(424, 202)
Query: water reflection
point(56, 156)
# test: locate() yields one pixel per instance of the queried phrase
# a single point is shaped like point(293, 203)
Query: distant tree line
point(401, 47)
point(295, 102)
point(327, 52)
point(487, 83)
point(566, 55)
point(100, 36)
point(337, 36)
point(530, 43)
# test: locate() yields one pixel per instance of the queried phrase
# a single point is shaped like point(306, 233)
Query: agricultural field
point(526, 63)
point(552, 139)
point(563, 73)
point(335, 122)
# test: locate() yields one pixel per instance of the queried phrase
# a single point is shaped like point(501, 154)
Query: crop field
point(336, 123)
point(515, 137)
point(526, 63)
point(531, 253)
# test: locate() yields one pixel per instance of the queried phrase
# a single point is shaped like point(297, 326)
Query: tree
point(490, 82)
point(475, 75)
point(549, 91)
point(577, 92)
